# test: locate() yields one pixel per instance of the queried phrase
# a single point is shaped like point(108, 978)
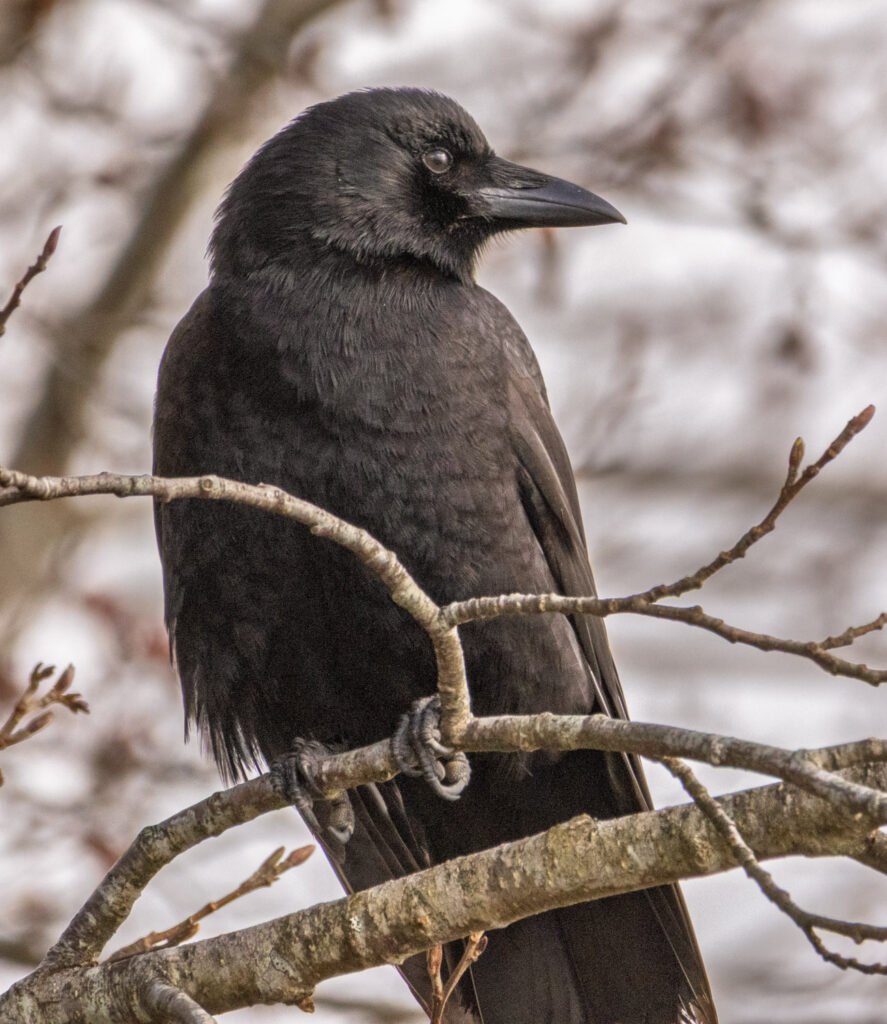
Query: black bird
point(344, 352)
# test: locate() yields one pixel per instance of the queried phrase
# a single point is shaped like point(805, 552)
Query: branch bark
point(572, 862)
point(156, 846)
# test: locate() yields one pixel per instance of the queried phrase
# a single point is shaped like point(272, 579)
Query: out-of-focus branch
point(18, 25)
point(37, 267)
point(56, 424)
point(12, 731)
point(572, 862)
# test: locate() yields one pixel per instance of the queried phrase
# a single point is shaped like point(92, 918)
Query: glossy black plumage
point(343, 352)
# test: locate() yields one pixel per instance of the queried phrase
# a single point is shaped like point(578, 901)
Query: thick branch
point(156, 846)
point(572, 862)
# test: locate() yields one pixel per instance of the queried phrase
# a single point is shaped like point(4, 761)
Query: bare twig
point(646, 602)
point(460, 612)
point(794, 484)
point(854, 632)
point(12, 731)
point(474, 947)
point(37, 267)
point(265, 874)
point(807, 922)
point(434, 960)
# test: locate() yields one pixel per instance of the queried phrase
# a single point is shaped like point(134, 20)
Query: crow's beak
point(530, 199)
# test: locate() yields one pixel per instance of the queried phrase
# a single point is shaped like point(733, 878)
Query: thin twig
point(12, 731)
point(854, 632)
point(434, 960)
point(37, 267)
point(474, 947)
point(460, 612)
point(792, 487)
point(265, 874)
point(745, 857)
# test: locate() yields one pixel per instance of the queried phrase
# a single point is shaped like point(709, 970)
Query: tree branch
point(267, 873)
point(572, 862)
point(807, 922)
point(37, 267)
point(55, 427)
point(792, 487)
point(12, 731)
point(156, 846)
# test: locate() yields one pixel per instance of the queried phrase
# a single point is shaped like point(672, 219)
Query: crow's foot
point(418, 751)
point(295, 773)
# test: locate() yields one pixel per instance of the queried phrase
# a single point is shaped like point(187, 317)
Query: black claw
point(417, 748)
point(295, 773)
point(402, 747)
point(290, 776)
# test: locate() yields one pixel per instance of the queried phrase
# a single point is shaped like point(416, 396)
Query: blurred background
point(743, 305)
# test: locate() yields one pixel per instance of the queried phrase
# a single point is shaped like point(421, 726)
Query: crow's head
point(387, 174)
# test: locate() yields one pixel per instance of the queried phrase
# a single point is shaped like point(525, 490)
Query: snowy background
point(744, 304)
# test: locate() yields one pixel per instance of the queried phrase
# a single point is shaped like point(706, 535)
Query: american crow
point(344, 352)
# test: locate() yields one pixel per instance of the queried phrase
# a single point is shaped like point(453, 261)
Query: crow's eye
point(438, 160)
